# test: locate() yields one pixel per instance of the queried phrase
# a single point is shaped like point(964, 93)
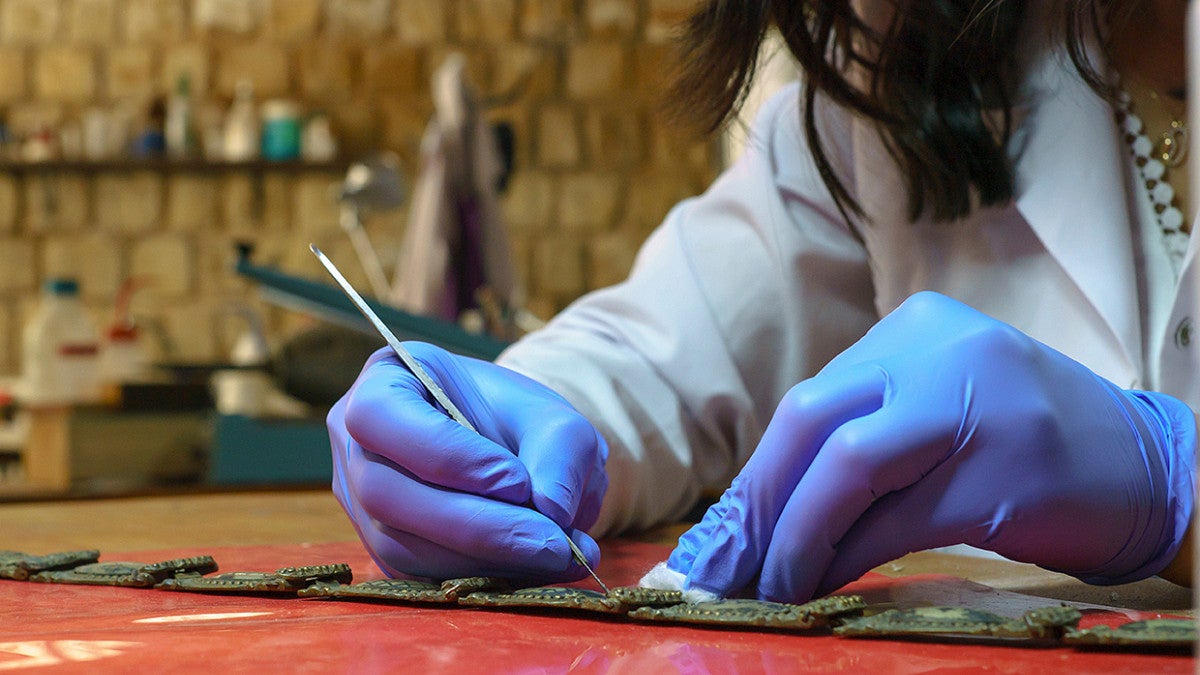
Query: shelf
point(169, 166)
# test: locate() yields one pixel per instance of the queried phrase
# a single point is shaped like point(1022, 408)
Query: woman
point(937, 302)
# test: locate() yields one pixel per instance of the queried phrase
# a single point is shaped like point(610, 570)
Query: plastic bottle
point(241, 126)
point(122, 358)
point(317, 143)
point(180, 137)
point(60, 351)
point(280, 130)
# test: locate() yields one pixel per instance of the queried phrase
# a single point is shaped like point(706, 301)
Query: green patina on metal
point(1157, 634)
point(133, 574)
point(959, 622)
point(756, 613)
point(400, 590)
point(19, 566)
point(285, 581)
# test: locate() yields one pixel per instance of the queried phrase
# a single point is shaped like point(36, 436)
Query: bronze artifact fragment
point(954, 623)
point(402, 590)
point(632, 597)
point(1154, 634)
point(286, 580)
point(618, 600)
point(134, 574)
point(16, 565)
point(454, 589)
point(339, 572)
point(545, 597)
point(756, 613)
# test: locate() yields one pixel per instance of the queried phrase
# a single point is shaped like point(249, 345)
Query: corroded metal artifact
point(339, 572)
point(756, 613)
point(19, 566)
point(545, 597)
point(404, 590)
point(619, 600)
point(379, 589)
point(950, 623)
point(632, 597)
point(457, 588)
point(286, 580)
point(135, 574)
point(1164, 634)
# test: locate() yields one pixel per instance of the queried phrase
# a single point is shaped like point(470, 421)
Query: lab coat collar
point(1071, 189)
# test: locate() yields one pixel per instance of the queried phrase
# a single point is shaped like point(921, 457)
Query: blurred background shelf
point(167, 166)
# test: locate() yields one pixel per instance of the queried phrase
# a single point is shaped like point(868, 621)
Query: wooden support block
point(47, 455)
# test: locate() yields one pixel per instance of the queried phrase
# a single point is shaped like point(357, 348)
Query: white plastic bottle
point(60, 355)
point(242, 126)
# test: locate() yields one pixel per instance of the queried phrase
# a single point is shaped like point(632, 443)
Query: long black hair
point(930, 76)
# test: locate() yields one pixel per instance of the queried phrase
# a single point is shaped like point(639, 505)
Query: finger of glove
point(400, 553)
point(733, 553)
point(560, 455)
point(683, 557)
point(893, 526)
point(862, 461)
point(507, 535)
point(593, 498)
point(339, 441)
point(389, 415)
point(558, 447)
point(921, 321)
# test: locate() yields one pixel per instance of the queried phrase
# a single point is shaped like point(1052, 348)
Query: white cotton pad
point(662, 578)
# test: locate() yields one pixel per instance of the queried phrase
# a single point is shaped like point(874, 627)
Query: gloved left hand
point(430, 498)
point(944, 426)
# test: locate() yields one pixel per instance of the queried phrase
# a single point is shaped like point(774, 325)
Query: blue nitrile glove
point(431, 498)
point(944, 426)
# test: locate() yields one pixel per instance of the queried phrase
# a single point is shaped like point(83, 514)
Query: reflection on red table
point(97, 629)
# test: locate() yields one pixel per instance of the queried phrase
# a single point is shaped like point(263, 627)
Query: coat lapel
point(1071, 189)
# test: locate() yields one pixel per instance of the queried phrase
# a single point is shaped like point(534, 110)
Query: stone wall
point(580, 80)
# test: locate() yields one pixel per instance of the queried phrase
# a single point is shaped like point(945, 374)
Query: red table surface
point(99, 629)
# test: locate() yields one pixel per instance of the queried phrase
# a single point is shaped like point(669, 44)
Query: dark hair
point(930, 75)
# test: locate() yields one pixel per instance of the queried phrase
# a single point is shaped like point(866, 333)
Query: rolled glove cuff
point(1168, 429)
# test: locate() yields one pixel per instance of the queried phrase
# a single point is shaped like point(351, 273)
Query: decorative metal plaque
point(285, 581)
point(339, 572)
point(134, 574)
point(632, 597)
point(546, 597)
point(454, 589)
point(19, 566)
point(755, 613)
point(401, 590)
point(949, 623)
point(1154, 634)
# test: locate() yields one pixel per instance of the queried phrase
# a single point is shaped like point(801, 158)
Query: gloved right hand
point(430, 498)
point(943, 426)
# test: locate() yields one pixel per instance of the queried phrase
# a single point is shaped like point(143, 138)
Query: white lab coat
point(753, 286)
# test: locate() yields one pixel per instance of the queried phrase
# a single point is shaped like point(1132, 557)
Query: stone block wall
point(579, 81)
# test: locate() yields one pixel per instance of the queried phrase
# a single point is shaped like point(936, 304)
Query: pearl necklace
point(1153, 171)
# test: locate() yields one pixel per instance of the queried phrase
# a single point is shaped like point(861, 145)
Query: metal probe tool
point(418, 370)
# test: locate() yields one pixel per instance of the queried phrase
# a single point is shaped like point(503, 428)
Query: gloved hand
point(431, 498)
point(944, 426)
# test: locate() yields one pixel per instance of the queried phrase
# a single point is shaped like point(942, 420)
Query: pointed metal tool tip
point(579, 558)
point(316, 251)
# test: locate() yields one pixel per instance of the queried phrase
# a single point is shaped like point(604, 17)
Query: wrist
point(1169, 450)
point(1179, 570)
